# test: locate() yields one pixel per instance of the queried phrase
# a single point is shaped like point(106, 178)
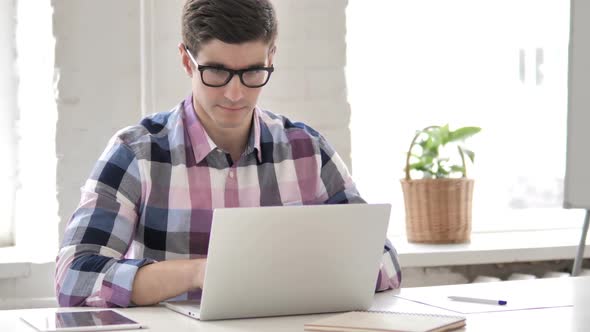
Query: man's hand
point(163, 280)
point(201, 266)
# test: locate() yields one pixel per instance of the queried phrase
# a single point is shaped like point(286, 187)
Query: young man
point(141, 231)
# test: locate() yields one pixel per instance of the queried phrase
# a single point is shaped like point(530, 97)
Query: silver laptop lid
point(272, 261)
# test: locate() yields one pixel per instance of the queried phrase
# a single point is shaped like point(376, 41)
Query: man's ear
point(185, 60)
point(271, 54)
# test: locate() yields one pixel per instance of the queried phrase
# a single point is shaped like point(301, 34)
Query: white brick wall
point(97, 56)
point(309, 84)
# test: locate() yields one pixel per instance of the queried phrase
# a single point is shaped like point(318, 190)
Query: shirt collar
point(202, 144)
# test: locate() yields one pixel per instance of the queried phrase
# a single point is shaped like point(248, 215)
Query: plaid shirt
point(151, 195)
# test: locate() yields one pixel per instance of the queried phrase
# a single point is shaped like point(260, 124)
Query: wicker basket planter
point(438, 207)
point(438, 210)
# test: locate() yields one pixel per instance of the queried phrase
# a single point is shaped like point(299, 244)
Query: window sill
point(14, 270)
point(494, 247)
point(16, 263)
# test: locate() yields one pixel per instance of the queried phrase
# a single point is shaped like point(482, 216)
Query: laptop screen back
point(272, 261)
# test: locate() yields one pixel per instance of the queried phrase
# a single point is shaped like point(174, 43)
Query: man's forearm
point(163, 280)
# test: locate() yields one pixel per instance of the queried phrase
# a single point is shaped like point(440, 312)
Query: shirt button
point(231, 174)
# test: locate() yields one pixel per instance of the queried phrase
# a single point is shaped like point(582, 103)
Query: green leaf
point(417, 165)
point(425, 153)
point(458, 169)
point(463, 133)
point(431, 153)
point(422, 164)
point(422, 144)
point(427, 175)
point(442, 173)
point(433, 141)
point(428, 156)
point(469, 153)
point(414, 155)
point(444, 134)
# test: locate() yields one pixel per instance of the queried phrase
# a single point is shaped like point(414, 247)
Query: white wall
point(97, 56)
point(309, 83)
point(33, 287)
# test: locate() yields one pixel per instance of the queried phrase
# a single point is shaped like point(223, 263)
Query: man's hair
point(230, 21)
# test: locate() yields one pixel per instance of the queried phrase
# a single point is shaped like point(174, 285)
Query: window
point(8, 115)
point(32, 159)
point(500, 65)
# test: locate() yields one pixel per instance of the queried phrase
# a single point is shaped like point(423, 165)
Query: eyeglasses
point(216, 76)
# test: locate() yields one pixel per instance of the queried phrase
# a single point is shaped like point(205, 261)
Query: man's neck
point(232, 140)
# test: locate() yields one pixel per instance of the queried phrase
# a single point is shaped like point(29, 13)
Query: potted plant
point(438, 206)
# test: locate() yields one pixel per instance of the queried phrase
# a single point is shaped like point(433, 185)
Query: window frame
point(8, 134)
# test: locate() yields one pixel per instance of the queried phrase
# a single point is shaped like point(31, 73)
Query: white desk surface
point(568, 318)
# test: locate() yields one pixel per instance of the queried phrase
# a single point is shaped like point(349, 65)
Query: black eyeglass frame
point(232, 73)
point(239, 72)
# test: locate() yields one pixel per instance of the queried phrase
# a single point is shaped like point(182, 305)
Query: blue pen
point(478, 300)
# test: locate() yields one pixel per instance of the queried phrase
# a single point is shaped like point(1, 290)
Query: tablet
point(100, 320)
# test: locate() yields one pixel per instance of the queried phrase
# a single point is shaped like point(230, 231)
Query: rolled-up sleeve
point(390, 274)
point(90, 267)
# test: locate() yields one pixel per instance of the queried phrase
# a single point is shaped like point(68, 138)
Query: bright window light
point(36, 218)
point(500, 65)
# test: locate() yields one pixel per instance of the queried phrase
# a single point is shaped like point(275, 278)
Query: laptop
point(290, 260)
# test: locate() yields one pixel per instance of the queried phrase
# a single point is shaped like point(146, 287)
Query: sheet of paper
point(519, 296)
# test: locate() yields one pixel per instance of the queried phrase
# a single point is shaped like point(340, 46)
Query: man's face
point(230, 106)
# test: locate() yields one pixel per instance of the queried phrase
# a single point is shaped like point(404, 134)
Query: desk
point(571, 318)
